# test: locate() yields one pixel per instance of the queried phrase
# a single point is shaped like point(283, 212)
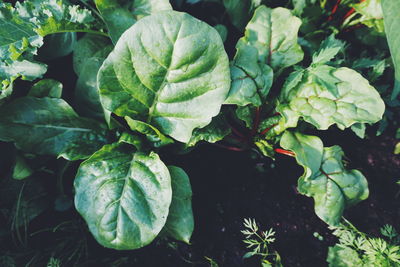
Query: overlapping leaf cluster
point(158, 78)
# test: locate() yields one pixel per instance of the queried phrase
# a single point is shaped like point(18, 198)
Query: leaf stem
point(268, 129)
point(334, 9)
point(231, 148)
point(256, 121)
point(285, 152)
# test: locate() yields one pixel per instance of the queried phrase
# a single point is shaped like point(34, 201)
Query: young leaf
point(169, 70)
point(46, 88)
point(328, 50)
point(213, 132)
point(152, 133)
point(371, 14)
point(273, 32)
point(123, 196)
point(180, 223)
point(251, 80)
point(240, 11)
point(391, 14)
point(21, 169)
point(119, 15)
point(332, 186)
point(322, 102)
point(49, 126)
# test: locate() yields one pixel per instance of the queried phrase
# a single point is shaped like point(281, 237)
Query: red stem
point(231, 148)
point(237, 132)
point(256, 121)
point(268, 129)
point(334, 9)
point(284, 152)
point(350, 12)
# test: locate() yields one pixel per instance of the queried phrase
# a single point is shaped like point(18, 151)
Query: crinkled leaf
point(332, 186)
point(22, 30)
point(371, 14)
point(274, 33)
point(246, 114)
point(49, 126)
point(180, 222)
point(313, 100)
point(153, 134)
point(119, 15)
point(251, 80)
point(89, 54)
point(123, 196)
point(328, 50)
point(131, 139)
point(340, 256)
point(46, 88)
point(391, 13)
point(169, 70)
point(214, 132)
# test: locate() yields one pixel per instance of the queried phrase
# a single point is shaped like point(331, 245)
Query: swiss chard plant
point(151, 78)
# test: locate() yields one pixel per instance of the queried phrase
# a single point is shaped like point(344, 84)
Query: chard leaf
point(213, 132)
point(169, 70)
point(325, 178)
point(240, 11)
point(152, 133)
point(89, 54)
point(251, 80)
point(391, 13)
point(49, 126)
point(180, 222)
point(57, 45)
point(322, 102)
point(119, 15)
point(328, 50)
point(46, 88)
point(123, 196)
point(273, 32)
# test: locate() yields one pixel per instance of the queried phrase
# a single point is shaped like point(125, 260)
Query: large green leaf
point(169, 70)
point(332, 186)
point(124, 196)
point(89, 54)
point(274, 33)
point(180, 221)
point(49, 126)
point(119, 15)
point(325, 95)
point(391, 14)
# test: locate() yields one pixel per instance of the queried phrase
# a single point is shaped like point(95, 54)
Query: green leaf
point(21, 169)
point(391, 14)
point(213, 132)
point(46, 88)
point(240, 11)
point(180, 222)
point(371, 14)
point(340, 256)
point(246, 114)
point(169, 70)
point(273, 32)
point(123, 196)
point(251, 80)
point(359, 129)
point(337, 96)
point(134, 140)
point(89, 54)
point(329, 48)
point(49, 126)
point(57, 45)
point(119, 15)
point(222, 30)
point(325, 178)
point(152, 133)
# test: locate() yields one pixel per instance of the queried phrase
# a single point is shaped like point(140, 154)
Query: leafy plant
point(152, 79)
point(357, 249)
point(258, 242)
